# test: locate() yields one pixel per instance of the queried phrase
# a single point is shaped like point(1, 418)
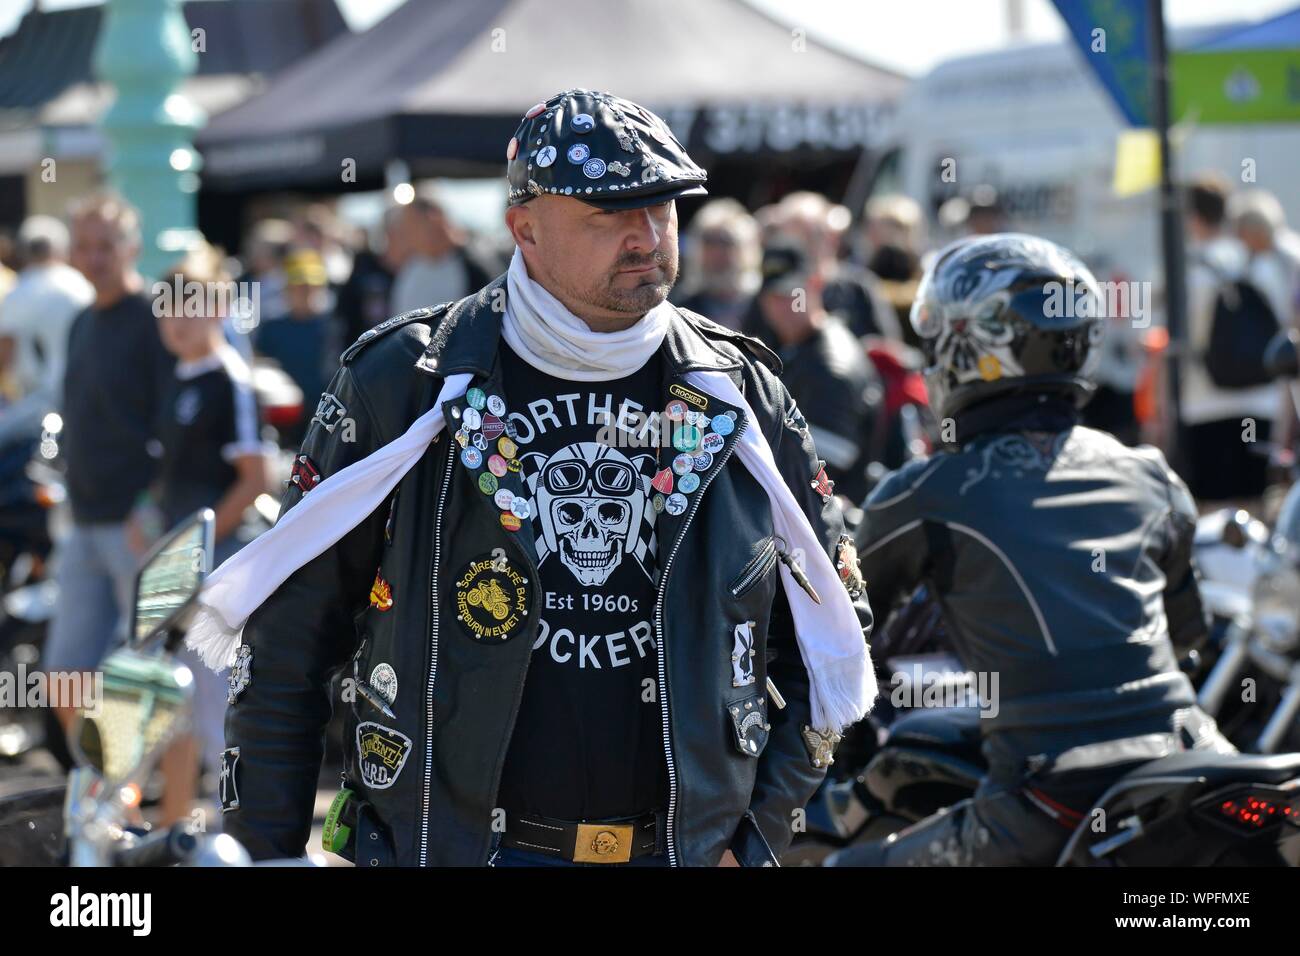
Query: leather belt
point(600, 841)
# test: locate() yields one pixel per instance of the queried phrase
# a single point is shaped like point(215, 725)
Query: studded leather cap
point(599, 148)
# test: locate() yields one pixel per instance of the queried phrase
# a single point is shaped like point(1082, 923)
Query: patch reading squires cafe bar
point(491, 599)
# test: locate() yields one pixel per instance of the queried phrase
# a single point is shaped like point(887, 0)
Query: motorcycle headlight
point(1276, 601)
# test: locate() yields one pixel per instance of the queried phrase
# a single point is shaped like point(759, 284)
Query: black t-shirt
point(208, 419)
point(588, 742)
point(117, 373)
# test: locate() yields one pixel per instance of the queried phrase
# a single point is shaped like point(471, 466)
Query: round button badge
point(675, 411)
point(723, 425)
point(713, 443)
point(582, 123)
point(504, 498)
point(593, 168)
point(519, 508)
point(545, 156)
point(682, 464)
point(476, 398)
point(507, 448)
point(686, 438)
point(472, 418)
point(703, 461)
point(676, 503)
point(497, 465)
point(472, 457)
point(496, 405)
point(488, 483)
point(689, 483)
point(578, 153)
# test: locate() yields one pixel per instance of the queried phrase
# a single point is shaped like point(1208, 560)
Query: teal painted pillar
point(145, 51)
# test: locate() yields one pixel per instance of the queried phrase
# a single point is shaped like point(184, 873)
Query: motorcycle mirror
point(142, 705)
point(1282, 356)
point(171, 576)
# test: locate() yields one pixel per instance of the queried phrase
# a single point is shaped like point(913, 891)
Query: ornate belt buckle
point(603, 843)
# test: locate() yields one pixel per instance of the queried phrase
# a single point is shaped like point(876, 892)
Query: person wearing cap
point(301, 339)
point(571, 548)
point(825, 367)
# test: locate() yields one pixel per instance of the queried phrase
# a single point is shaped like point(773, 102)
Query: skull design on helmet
point(590, 500)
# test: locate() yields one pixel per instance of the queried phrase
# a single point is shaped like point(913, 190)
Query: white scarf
point(843, 682)
point(553, 340)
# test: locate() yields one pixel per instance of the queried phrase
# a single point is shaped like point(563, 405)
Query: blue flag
point(1113, 36)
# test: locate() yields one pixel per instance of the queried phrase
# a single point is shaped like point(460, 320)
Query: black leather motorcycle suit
point(1062, 562)
point(387, 594)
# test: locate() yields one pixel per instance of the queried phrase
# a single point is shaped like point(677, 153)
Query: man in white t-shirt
point(1226, 430)
point(34, 321)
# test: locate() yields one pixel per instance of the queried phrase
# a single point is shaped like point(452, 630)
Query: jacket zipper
point(433, 651)
point(756, 569)
point(663, 642)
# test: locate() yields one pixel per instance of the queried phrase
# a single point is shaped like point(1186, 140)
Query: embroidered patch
point(749, 721)
point(821, 747)
point(742, 655)
point(227, 781)
point(384, 680)
point(491, 599)
point(329, 411)
point(305, 474)
point(381, 593)
point(382, 753)
point(241, 673)
point(821, 483)
point(846, 563)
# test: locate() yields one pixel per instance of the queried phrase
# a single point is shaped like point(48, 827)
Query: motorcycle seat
point(949, 727)
point(1222, 769)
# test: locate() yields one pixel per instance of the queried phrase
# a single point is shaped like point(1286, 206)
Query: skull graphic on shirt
point(591, 503)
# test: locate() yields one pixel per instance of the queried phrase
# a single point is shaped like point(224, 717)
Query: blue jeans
point(514, 856)
point(96, 575)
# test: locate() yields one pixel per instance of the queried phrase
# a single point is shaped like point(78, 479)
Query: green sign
point(1237, 86)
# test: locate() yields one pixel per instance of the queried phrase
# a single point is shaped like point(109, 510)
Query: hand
point(728, 859)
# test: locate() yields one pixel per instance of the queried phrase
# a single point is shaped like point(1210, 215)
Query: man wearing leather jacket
point(561, 641)
point(1060, 558)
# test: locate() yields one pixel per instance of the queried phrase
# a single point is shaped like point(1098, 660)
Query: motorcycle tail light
point(1254, 810)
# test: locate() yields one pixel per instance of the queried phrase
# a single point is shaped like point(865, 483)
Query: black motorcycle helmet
point(1007, 313)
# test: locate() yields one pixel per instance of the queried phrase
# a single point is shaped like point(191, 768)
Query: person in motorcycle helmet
point(1061, 559)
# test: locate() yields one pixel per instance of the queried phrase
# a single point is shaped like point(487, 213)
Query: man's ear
point(519, 220)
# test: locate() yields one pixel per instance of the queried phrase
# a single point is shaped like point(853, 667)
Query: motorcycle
point(120, 733)
point(904, 764)
point(30, 507)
